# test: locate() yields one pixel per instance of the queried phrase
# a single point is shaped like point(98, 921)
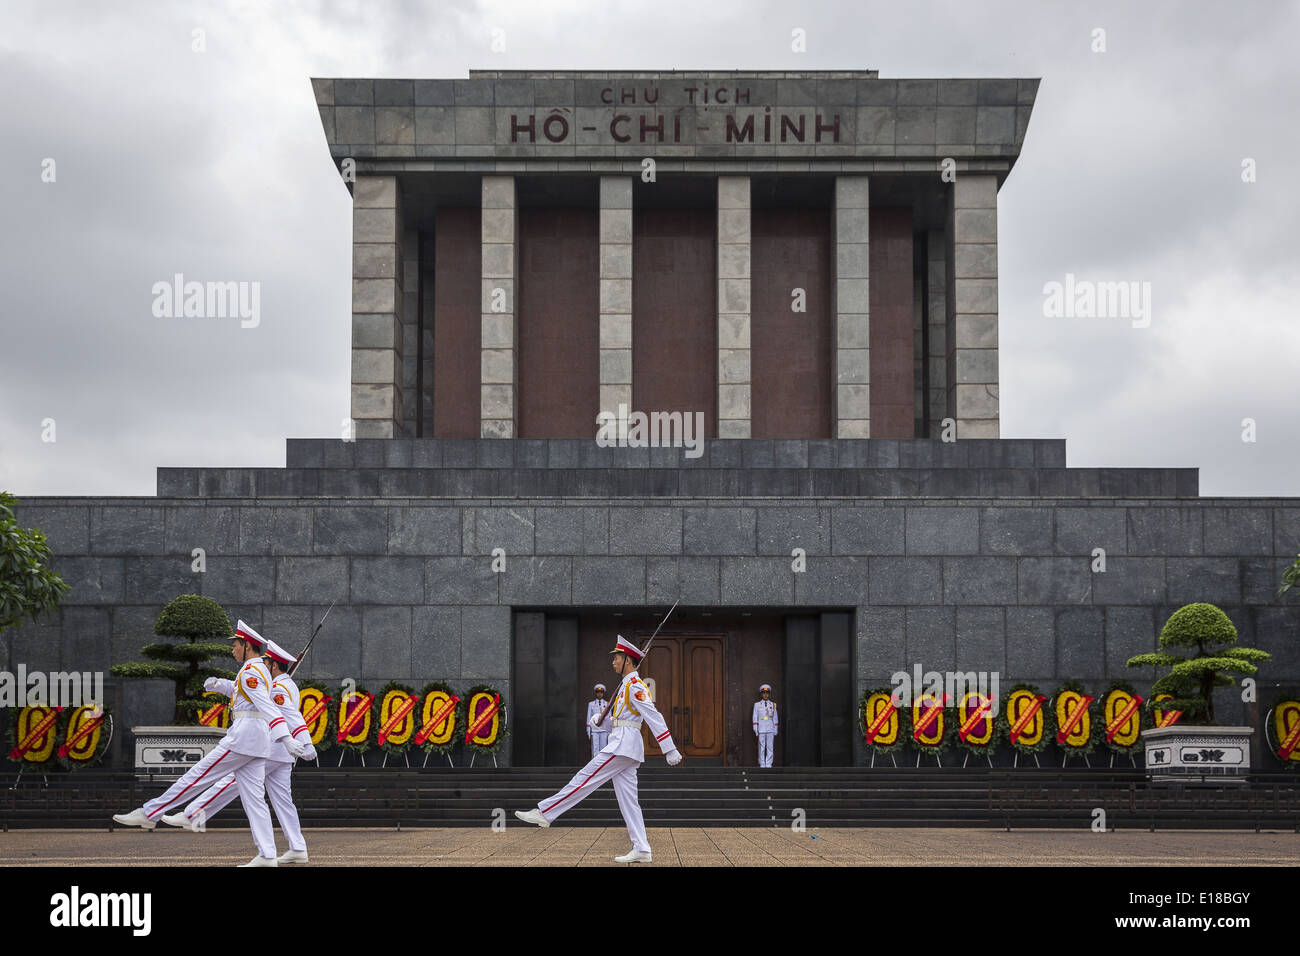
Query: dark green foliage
point(28, 585)
point(1290, 577)
point(1191, 680)
point(197, 623)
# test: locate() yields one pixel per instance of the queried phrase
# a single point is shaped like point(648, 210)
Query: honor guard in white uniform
point(255, 722)
point(765, 724)
point(618, 760)
point(599, 736)
point(279, 762)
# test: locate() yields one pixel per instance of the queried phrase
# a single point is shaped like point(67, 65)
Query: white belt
point(627, 723)
point(248, 713)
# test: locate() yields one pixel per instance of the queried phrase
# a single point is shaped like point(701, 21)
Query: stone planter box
point(1194, 754)
point(171, 750)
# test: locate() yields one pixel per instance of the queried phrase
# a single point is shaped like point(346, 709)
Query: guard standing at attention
point(599, 736)
point(765, 724)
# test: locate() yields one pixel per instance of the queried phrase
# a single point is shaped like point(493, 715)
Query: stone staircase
point(704, 797)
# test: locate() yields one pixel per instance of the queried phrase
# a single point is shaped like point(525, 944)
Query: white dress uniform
point(618, 760)
point(279, 764)
point(765, 728)
point(599, 736)
point(255, 722)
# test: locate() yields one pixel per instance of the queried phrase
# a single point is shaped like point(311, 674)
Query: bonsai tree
point(1191, 680)
point(28, 584)
point(195, 624)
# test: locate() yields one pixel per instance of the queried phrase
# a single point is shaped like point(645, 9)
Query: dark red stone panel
point(456, 323)
point(893, 404)
point(674, 312)
point(791, 361)
point(559, 322)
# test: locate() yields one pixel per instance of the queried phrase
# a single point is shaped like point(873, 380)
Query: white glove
point(308, 751)
point(595, 720)
point(210, 684)
point(674, 757)
point(294, 747)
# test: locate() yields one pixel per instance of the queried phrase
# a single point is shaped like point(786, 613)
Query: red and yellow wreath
point(977, 722)
point(314, 703)
point(217, 713)
point(485, 719)
point(441, 711)
point(1025, 720)
point(881, 721)
point(356, 720)
point(1285, 727)
point(85, 741)
point(398, 713)
point(33, 734)
point(1076, 729)
point(930, 729)
point(1121, 717)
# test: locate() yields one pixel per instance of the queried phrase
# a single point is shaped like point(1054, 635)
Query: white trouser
point(209, 803)
point(765, 749)
point(250, 781)
point(598, 741)
point(622, 771)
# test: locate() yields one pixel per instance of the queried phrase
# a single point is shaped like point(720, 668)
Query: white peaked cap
point(763, 687)
point(278, 653)
point(246, 633)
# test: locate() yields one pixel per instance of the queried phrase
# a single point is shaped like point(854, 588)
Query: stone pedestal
point(170, 751)
point(1192, 754)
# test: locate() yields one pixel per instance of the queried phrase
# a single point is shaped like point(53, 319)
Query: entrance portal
point(686, 679)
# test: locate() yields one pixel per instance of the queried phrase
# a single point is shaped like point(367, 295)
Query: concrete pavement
point(562, 846)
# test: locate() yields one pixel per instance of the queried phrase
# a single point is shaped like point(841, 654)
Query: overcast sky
point(213, 164)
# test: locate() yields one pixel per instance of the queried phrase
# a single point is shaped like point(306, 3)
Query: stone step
point(584, 453)
point(398, 482)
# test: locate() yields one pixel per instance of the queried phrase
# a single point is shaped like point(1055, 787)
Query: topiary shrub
point(1191, 680)
point(198, 623)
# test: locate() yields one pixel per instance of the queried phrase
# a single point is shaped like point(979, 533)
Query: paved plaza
point(672, 846)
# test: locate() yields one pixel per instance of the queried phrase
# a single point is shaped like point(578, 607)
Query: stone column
point(615, 294)
point(972, 259)
point(377, 301)
point(499, 355)
point(851, 307)
point(937, 323)
point(734, 378)
point(409, 425)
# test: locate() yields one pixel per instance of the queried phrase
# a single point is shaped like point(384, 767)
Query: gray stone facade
point(942, 574)
point(844, 126)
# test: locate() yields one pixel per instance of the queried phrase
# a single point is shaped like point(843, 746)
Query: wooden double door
point(686, 674)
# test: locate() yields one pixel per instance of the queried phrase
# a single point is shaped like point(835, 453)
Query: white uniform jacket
point(261, 721)
point(594, 707)
point(632, 704)
point(765, 719)
point(285, 696)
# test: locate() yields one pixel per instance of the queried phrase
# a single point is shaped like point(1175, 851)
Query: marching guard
point(279, 762)
point(765, 724)
point(619, 759)
point(599, 736)
point(255, 722)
